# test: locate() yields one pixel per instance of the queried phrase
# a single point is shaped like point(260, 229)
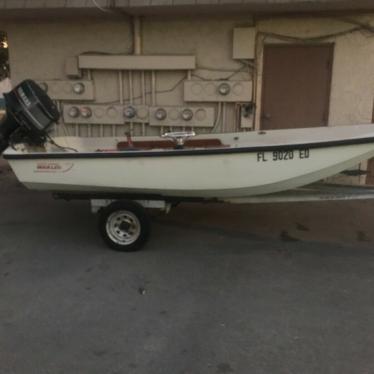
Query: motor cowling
point(29, 114)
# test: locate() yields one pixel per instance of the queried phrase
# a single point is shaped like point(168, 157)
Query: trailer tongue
point(29, 114)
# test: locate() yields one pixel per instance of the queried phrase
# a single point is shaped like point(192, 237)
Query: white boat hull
point(243, 173)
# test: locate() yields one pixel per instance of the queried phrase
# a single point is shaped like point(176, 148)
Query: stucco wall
point(38, 50)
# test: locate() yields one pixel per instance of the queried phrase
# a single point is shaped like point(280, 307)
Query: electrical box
point(68, 90)
point(244, 43)
point(72, 69)
point(217, 91)
point(177, 116)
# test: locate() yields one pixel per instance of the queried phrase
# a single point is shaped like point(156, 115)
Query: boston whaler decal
point(53, 167)
point(283, 155)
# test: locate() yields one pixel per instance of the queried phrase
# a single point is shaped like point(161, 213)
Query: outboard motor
point(29, 114)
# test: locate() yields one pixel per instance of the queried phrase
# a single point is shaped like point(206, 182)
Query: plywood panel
point(119, 62)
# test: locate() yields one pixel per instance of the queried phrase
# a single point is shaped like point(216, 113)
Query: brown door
point(296, 86)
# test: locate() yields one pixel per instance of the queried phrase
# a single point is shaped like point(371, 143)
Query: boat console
point(29, 114)
point(179, 137)
point(175, 140)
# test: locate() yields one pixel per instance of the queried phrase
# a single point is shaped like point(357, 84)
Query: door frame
point(283, 45)
point(371, 160)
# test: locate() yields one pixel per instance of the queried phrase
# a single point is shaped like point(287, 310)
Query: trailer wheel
point(124, 226)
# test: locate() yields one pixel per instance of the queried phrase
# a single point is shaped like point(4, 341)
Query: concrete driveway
point(219, 289)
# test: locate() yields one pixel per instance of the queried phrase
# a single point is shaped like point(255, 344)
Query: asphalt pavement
point(267, 289)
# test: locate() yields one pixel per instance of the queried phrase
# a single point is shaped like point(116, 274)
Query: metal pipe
point(55, 126)
point(131, 96)
point(121, 96)
point(138, 47)
point(223, 127)
point(143, 88)
point(153, 93)
point(89, 77)
point(237, 114)
point(144, 97)
point(120, 86)
point(137, 33)
point(153, 88)
point(218, 117)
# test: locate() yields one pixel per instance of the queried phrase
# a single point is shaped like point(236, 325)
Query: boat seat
point(167, 144)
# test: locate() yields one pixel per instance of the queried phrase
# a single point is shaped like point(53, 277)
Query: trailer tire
point(124, 226)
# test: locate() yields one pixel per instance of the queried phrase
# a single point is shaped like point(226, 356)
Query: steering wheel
point(179, 137)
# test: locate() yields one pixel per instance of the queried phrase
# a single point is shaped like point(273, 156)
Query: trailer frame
point(125, 224)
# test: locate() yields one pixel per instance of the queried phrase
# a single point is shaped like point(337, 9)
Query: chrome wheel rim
point(123, 227)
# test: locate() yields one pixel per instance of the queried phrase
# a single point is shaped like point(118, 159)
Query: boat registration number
point(300, 154)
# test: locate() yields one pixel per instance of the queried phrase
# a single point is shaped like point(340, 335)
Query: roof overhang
point(38, 9)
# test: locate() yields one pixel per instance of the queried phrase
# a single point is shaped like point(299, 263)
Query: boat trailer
point(124, 221)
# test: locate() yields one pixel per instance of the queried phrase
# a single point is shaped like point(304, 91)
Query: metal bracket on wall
point(105, 114)
point(218, 91)
point(181, 116)
point(68, 90)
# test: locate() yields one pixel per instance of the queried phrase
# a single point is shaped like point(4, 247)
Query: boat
point(122, 176)
point(219, 166)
